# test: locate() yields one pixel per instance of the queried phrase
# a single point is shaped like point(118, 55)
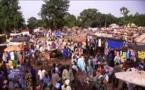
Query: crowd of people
point(86, 60)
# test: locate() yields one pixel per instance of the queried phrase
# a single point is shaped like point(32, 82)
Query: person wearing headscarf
point(90, 64)
point(55, 78)
point(65, 52)
point(81, 64)
point(66, 85)
point(65, 73)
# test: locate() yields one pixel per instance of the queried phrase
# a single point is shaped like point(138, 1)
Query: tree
point(124, 11)
point(41, 23)
point(53, 12)
point(10, 16)
point(136, 14)
point(138, 19)
point(109, 19)
point(15, 15)
point(88, 16)
point(32, 22)
point(70, 20)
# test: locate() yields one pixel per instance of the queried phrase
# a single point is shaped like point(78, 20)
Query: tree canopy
point(70, 20)
point(88, 16)
point(53, 12)
point(32, 22)
point(10, 16)
point(94, 18)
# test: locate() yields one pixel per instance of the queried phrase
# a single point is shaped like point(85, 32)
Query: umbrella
point(13, 48)
point(134, 77)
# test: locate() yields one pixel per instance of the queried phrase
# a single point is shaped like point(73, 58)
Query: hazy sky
point(32, 7)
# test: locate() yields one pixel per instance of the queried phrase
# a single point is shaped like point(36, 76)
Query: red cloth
point(23, 46)
point(20, 58)
point(37, 88)
point(115, 53)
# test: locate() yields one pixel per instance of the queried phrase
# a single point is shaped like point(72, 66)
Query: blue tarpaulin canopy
point(58, 34)
point(113, 44)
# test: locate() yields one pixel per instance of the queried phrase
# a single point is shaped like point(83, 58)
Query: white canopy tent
point(134, 77)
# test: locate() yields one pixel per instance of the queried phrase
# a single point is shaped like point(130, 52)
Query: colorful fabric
point(65, 52)
point(124, 54)
point(121, 53)
point(143, 54)
point(115, 43)
point(8, 56)
point(14, 62)
point(81, 64)
point(121, 59)
point(15, 56)
point(1, 64)
point(128, 55)
point(99, 43)
point(118, 54)
point(64, 43)
point(20, 59)
point(10, 63)
point(80, 44)
point(139, 54)
point(115, 53)
point(83, 45)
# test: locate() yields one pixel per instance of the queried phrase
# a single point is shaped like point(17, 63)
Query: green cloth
point(102, 60)
point(15, 56)
point(14, 62)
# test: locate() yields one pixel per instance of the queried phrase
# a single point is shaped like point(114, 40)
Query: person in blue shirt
point(22, 80)
point(65, 52)
point(34, 73)
point(46, 80)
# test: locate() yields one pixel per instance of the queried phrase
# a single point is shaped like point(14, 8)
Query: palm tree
point(124, 11)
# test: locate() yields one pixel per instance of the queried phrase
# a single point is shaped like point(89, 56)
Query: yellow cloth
point(124, 55)
point(142, 55)
point(64, 43)
point(121, 59)
point(82, 56)
point(83, 44)
point(139, 54)
point(1, 64)
point(10, 63)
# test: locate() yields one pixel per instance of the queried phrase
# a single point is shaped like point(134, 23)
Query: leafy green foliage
point(88, 16)
point(70, 20)
point(137, 19)
point(93, 18)
point(41, 23)
point(53, 12)
point(10, 16)
point(32, 22)
point(124, 11)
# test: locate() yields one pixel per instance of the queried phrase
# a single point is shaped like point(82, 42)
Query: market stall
point(12, 54)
